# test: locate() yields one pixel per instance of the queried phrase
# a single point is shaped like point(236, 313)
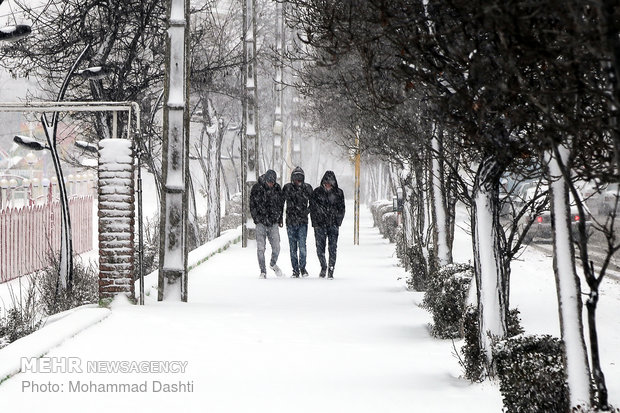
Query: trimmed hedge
point(531, 373)
point(473, 361)
point(446, 297)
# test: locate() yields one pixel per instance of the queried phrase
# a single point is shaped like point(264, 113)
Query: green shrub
point(53, 299)
point(418, 269)
point(445, 298)
point(23, 317)
point(531, 373)
point(473, 361)
point(15, 325)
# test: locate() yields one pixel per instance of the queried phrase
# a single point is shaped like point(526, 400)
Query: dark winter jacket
point(297, 199)
point(327, 207)
point(266, 203)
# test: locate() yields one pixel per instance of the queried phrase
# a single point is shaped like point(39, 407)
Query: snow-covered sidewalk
point(358, 343)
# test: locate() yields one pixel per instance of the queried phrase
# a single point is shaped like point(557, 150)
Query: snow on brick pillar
point(116, 218)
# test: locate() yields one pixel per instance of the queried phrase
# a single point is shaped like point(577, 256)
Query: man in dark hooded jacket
point(266, 204)
point(297, 196)
point(327, 213)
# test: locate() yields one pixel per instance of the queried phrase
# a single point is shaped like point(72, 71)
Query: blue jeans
point(297, 239)
point(322, 236)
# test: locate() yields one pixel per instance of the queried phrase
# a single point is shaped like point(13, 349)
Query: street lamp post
point(50, 126)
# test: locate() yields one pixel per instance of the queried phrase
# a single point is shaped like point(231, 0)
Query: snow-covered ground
point(359, 343)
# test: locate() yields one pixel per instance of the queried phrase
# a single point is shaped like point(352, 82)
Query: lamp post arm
point(63, 89)
point(65, 83)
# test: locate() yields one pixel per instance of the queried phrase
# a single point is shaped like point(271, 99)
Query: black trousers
point(323, 236)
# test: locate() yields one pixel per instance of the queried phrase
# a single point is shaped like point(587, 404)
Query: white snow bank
point(59, 328)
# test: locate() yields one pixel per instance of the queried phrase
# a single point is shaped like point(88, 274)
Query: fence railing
point(28, 235)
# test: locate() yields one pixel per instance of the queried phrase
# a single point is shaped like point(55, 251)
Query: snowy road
point(358, 343)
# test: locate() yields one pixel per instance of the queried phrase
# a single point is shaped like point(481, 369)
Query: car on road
point(541, 224)
point(609, 200)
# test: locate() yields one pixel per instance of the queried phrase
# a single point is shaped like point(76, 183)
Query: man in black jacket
point(266, 204)
point(297, 196)
point(327, 212)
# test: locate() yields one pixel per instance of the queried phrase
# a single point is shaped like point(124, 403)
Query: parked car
point(541, 226)
point(609, 200)
point(530, 194)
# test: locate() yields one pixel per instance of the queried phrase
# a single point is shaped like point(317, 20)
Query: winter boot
point(304, 273)
point(323, 271)
point(330, 273)
point(262, 275)
point(277, 270)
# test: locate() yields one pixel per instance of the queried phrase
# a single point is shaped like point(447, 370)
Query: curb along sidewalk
point(58, 328)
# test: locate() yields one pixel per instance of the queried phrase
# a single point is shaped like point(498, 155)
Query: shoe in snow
point(323, 271)
point(295, 275)
point(330, 273)
point(262, 275)
point(304, 273)
point(277, 270)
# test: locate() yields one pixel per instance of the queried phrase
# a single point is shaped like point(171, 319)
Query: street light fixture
point(15, 32)
point(90, 147)
point(29, 142)
point(94, 72)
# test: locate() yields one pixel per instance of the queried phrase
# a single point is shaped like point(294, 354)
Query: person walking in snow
point(266, 205)
point(297, 196)
point(327, 212)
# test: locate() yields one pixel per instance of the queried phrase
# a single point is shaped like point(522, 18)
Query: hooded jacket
point(266, 203)
point(327, 207)
point(297, 198)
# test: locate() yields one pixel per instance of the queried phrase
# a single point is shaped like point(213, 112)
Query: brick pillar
point(116, 218)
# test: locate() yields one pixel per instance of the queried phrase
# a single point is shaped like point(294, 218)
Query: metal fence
point(30, 235)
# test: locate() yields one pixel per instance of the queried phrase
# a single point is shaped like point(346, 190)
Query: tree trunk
point(438, 211)
point(215, 134)
point(491, 284)
point(567, 284)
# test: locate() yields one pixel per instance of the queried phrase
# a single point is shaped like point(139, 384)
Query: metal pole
point(140, 230)
point(250, 158)
point(66, 244)
point(278, 129)
point(356, 230)
point(114, 124)
point(244, 145)
point(135, 108)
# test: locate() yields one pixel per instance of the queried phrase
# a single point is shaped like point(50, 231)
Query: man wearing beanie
point(327, 212)
point(266, 205)
point(297, 196)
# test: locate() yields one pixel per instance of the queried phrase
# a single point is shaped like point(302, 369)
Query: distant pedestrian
point(266, 204)
point(297, 196)
point(327, 212)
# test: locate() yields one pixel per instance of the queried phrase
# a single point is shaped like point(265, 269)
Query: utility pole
point(175, 158)
point(249, 145)
point(278, 126)
point(356, 226)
